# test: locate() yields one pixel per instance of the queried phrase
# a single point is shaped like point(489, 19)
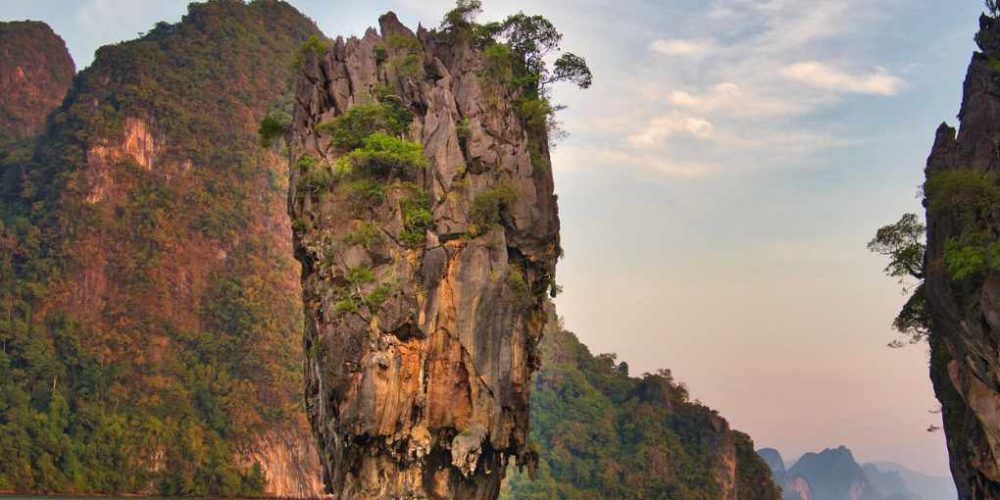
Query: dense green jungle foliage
point(970, 199)
point(600, 433)
point(149, 321)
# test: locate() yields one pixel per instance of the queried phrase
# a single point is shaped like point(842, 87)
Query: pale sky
point(717, 189)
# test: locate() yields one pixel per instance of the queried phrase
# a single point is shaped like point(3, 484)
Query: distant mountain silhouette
point(888, 483)
point(923, 486)
point(834, 474)
point(793, 487)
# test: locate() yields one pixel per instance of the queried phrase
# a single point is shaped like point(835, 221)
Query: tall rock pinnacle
point(964, 301)
point(427, 228)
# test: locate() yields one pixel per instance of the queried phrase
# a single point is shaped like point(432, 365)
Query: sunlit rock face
point(965, 314)
point(422, 318)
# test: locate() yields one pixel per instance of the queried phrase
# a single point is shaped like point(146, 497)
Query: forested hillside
point(601, 433)
point(150, 319)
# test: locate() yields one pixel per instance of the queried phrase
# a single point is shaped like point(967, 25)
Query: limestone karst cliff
point(36, 70)
point(150, 310)
point(428, 243)
point(962, 281)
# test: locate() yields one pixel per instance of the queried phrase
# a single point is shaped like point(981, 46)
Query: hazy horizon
point(717, 188)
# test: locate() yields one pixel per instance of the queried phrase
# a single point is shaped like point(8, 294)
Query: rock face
point(421, 317)
point(965, 315)
point(150, 305)
point(36, 70)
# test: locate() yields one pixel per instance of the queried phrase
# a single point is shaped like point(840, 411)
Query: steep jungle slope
point(36, 70)
point(962, 274)
point(601, 434)
point(150, 315)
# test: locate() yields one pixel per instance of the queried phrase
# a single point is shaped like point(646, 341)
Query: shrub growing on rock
point(417, 218)
point(487, 207)
point(349, 130)
point(382, 155)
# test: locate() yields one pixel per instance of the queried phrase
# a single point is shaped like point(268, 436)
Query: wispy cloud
point(636, 161)
point(732, 99)
point(822, 76)
point(737, 96)
point(664, 127)
point(724, 87)
point(681, 48)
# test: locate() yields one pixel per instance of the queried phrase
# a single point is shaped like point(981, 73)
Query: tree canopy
point(534, 39)
point(903, 243)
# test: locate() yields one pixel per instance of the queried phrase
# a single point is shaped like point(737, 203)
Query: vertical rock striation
point(36, 70)
point(424, 289)
point(965, 314)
